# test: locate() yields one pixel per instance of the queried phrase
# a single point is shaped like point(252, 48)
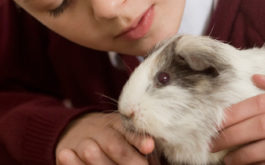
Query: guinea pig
point(179, 93)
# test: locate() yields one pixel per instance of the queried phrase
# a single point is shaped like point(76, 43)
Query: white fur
point(183, 123)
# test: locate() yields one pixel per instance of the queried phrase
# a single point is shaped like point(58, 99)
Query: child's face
point(125, 26)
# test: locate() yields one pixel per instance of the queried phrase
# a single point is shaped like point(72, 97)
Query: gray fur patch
point(182, 74)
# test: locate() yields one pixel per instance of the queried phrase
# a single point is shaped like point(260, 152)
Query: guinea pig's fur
point(183, 114)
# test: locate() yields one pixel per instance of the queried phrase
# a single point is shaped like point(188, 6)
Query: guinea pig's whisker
point(109, 112)
point(108, 102)
point(128, 67)
point(112, 118)
point(108, 97)
point(210, 34)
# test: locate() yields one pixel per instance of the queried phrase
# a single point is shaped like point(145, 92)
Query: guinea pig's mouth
point(127, 123)
point(129, 127)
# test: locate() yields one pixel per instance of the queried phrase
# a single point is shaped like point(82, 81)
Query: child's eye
point(60, 9)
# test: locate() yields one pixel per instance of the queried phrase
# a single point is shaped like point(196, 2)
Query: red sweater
point(39, 69)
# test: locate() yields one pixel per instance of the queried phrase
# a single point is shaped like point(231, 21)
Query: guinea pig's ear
point(196, 62)
point(203, 63)
point(202, 54)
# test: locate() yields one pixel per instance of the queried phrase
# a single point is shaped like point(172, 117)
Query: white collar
point(196, 16)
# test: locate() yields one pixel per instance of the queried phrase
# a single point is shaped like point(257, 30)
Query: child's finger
point(68, 157)
point(118, 149)
point(259, 80)
point(244, 110)
point(248, 154)
point(144, 143)
point(241, 133)
point(90, 152)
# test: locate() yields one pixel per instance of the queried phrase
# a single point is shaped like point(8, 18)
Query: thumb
point(143, 142)
point(259, 80)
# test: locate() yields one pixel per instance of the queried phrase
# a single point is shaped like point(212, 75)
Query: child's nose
point(106, 9)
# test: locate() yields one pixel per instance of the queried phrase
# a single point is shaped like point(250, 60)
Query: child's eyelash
point(60, 9)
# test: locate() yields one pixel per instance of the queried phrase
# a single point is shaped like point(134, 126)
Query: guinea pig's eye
point(163, 78)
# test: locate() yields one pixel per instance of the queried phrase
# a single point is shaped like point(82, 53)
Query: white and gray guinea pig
point(179, 93)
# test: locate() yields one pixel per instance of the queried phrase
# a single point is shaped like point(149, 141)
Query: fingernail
point(147, 145)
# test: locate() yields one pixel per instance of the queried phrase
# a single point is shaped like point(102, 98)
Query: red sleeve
point(239, 22)
point(34, 79)
point(30, 126)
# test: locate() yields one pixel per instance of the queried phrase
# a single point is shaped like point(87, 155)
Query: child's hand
point(259, 81)
point(245, 125)
point(99, 139)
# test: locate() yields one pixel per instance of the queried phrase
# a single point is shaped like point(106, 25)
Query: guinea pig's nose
point(128, 116)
